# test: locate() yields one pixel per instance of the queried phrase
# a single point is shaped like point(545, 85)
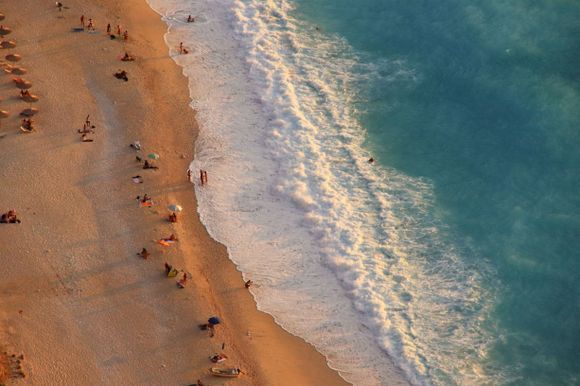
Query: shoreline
point(72, 266)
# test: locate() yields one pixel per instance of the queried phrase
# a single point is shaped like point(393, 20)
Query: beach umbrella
point(4, 30)
point(18, 70)
point(7, 44)
point(214, 320)
point(24, 85)
point(175, 208)
point(153, 156)
point(13, 57)
point(29, 112)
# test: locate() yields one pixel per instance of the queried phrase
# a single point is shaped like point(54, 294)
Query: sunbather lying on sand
point(143, 199)
point(26, 124)
point(218, 358)
point(181, 283)
point(147, 165)
point(122, 74)
point(85, 138)
point(127, 57)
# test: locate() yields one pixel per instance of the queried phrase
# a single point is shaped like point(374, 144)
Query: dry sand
point(74, 297)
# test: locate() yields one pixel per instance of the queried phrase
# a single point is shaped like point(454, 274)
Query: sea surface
point(454, 257)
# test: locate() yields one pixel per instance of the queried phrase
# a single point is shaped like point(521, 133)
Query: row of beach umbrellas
point(15, 70)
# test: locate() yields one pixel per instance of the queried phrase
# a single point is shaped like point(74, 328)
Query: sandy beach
point(75, 299)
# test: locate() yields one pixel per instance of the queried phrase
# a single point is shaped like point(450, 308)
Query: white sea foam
point(346, 254)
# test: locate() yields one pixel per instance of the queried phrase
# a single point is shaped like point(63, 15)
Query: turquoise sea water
point(488, 109)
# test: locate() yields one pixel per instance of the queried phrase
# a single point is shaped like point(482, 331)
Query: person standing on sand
point(109, 29)
point(91, 26)
point(189, 175)
point(126, 35)
point(118, 30)
point(83, 21)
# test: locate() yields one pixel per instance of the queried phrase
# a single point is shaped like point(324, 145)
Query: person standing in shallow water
point(202, 176)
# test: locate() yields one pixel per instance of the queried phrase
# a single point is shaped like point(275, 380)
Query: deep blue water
point(491, 117)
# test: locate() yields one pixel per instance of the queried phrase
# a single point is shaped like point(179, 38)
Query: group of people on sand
point(146, 200)
point(170, 270)
point(90, 26)
point(9, 217)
